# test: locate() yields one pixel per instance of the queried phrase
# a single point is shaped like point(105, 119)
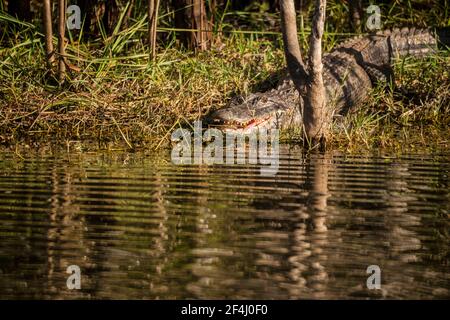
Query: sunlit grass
point(120, 96)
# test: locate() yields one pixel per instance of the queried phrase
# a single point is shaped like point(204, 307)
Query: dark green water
point(144, 228)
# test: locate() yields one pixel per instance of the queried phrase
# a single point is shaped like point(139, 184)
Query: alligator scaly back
point(350, 72)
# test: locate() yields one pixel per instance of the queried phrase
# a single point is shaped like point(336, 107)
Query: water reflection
point(139, 227)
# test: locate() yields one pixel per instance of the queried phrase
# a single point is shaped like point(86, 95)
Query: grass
point(123, 100)
point(117, 98)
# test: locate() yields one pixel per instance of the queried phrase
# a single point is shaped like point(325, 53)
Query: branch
point(48, 33)
point(315, 45)
point(308, 82)
point(153, 7)
point(61, 44)
point(292, 51)
point(315, 117)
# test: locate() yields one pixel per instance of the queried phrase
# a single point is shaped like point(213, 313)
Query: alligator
point(350, 71)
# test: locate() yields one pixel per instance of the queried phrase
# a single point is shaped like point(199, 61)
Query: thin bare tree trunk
point(128, 15)
point(88, 12)
point(61, 44)
point(314, 112)
point(292, 51)
point(201, 37)
point(356, 12)
point(308, 80)
point(198, 19)
point(192, 14)
point(181, 20)
point(273, 5)
point(111, 16)
point(213, 11)
point(153, 8)
point(48, 33)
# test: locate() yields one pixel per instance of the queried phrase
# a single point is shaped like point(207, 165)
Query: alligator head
point(274, 109)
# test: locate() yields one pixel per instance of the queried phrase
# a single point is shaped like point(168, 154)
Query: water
point(140, 227)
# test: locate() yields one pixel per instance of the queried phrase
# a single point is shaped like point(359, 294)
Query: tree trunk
point(308, 80)
point(47, 15)
point(303, 5)
point(292, 51)
point(182, 21)
point(273, 5)
point(192, 15)
point(128, 15)
point(314, 112)
point(356, 13)
point(153, 7)
point(61, 43)
point(198, 15)
point(111, 16)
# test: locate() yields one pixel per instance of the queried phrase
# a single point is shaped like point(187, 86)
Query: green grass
point(121, 99)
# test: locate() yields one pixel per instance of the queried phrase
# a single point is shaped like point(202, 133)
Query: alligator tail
point(418, 42)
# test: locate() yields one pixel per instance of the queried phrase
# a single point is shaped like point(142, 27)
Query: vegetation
point(120, 92)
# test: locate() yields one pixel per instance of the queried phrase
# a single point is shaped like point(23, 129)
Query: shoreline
point(405, 142)
point(131, 103)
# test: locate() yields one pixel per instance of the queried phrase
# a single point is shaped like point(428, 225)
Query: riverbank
point(117, 99)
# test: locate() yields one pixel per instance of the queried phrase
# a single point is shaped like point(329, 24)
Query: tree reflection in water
point(140, 227)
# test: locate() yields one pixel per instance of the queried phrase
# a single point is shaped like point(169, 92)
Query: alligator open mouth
point(244, 125)
point(255, 112)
